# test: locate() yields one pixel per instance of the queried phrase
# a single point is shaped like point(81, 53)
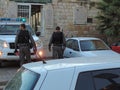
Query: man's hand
point(35, 50)
point(16, 52)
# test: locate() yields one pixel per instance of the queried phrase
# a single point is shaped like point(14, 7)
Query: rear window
point(99, 80)
point(92, 45)
point(12, 29)
point(23, 80)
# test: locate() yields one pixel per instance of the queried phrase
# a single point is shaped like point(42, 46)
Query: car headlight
point(40, 53)
point(3, 44)
point(38, 43)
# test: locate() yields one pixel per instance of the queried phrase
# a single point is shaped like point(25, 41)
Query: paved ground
point(9, 70)
point(6, 74)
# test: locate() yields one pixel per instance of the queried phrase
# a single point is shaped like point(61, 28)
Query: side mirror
point(38, 34)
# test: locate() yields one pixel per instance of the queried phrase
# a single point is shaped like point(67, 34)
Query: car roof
point(84, 38)
point(88, 63)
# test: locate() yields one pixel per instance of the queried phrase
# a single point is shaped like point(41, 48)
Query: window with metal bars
point(23, 11)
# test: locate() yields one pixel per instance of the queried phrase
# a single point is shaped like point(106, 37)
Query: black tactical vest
point(57, 38)
point(23, 37)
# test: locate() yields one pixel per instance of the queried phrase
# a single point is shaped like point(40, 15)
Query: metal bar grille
point(23, 11)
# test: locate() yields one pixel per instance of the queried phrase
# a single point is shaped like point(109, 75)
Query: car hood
point(11, 38)
point(99, 53)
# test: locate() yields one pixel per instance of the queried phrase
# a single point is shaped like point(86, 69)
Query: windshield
point(91, 45)
point(23, 80)
point(12, 29)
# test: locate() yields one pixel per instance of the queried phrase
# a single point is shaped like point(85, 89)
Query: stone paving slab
point(7, 73)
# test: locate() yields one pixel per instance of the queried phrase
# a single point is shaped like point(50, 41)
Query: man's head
point(22, 26)
point(57, 28)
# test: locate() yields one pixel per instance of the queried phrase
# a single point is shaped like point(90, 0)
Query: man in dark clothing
point(23, 41)
point(58, 42)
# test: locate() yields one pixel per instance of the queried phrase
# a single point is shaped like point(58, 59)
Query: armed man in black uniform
point(58, 42)
point(24, 41)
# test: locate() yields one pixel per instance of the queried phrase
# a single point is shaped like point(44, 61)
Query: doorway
point(34, 14)
point(36, 17)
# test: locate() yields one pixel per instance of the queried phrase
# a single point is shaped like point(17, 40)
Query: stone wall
point(63, 17)
point(8, 9)
point(2, 8)
point(12, 10)
point(61, 14)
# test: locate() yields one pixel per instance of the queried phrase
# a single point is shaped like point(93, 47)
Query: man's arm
point(50, 42)
point(33, 43)
point(64, 40)
point(16, 40)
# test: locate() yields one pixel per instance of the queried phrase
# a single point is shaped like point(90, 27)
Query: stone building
point(75, 17)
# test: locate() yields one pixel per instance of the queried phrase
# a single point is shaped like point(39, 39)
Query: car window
point(72, 44)
point(118, 44)
point(69, 43)
point(12, 29)
point(107, 79)
point(84, 82)
point(23, 80)
point(75, 45)
point(91, 45)
point(99, 80)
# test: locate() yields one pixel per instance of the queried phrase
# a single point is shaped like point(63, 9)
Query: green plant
point(109, 18)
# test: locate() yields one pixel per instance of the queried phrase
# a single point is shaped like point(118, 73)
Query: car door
point(103, 79)
point(72, 48)
point(82, 80)
point(116, 47)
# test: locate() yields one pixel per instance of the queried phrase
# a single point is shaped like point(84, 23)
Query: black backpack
point(23, 37)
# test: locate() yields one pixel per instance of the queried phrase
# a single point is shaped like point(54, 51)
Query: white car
point(86, 47)
point(8, 31)
point(85, 73)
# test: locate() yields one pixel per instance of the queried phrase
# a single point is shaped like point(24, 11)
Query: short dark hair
point(57, 28)
point(23, 25)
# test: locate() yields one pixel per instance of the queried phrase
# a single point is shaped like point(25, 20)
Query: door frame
point(42, 13)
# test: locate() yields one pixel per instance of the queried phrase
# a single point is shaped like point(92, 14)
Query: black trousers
point(24, 54)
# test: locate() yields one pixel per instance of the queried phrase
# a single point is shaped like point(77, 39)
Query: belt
point(57, 44)
point(24, 44)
